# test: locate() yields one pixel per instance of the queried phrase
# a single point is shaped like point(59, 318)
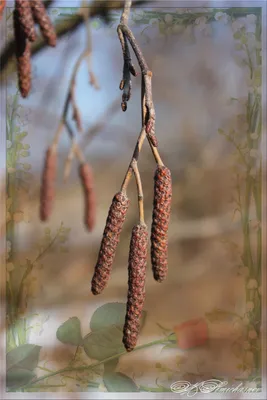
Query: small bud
point(122, 84)
point(150, 130)
point(124, 106)
point(132, 70)
point(149, 125)
point(42, 18)
point(86, 175)
point(160, 222)
point(110, 240)
point(136, 286)
point(47, 194)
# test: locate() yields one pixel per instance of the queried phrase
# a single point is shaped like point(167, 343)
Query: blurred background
point(203, 93)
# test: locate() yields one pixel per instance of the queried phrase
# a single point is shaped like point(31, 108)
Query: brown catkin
point(42, 18)
point(136, 286)
point(23, 56)
point(25, 18)
point(47, 194)
point(110, 240)
point(86, 175)
point(160, 222)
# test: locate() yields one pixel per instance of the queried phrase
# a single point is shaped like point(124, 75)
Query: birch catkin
point(42, 18)
point(136, 286)
point(48, 184)
point(160, 222)
point(25, 18)
point(86, 175)
point(110, 240)
point(23, 56)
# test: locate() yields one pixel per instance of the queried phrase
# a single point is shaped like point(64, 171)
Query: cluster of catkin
point(47, 193)
point(138, 251)
point(26, 14)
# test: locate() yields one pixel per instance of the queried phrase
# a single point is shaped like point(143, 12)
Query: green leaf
point(21, 136)
point(25, 356)
point(17, 377)
point(70, 332)
point(104, 343)
point(237, 35)
point(111, 314)
point(19, 146)
point(24, 153)
point(118, 382)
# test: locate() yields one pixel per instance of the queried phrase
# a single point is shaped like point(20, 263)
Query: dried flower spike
point(48, 184)
point(23, 56)
point(136, 286)
point(25, 18)
point(160, 222)
point(42, 18)
point(86, 175)
point(110, 240)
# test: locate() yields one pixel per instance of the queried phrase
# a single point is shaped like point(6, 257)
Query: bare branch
point(97, 9)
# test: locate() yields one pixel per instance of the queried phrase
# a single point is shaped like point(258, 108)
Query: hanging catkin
point(23, 56)
point(42, 18)
point(86, 175)
point(110, 240)
point(160, 222)
point(47, 194)
point(136, 285)
point(25, 18)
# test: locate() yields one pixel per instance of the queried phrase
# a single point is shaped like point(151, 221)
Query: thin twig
point(147, 106)
point(140, 192)
point(134, 159)
point(86, 16)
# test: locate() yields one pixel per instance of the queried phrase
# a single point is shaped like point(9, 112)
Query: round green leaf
point(110, 314)
point(118, 382)
point(17, 377)
point(25, 153)
point(104, 343)
point(70, 332)
point(25, 356)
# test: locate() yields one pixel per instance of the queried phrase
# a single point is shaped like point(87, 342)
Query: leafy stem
point(31, 266)
point(96, 364)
